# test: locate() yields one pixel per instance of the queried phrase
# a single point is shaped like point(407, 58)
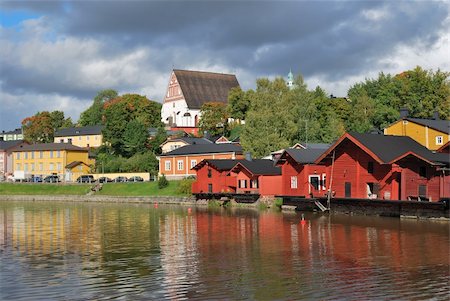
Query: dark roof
point(219, 164)
point(194, 140)
point(260, 167)
point(48, 146)
point(205, 149)
point(323, 146)
point(200, 87)
point(440, 125)
point(13, 132)
point(5, 145)
point(304, 156)
point(79, 131)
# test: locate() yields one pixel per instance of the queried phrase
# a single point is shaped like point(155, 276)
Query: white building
point(187, 91)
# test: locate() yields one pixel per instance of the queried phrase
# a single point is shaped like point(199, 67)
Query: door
point(348, 189)
point(210, 188)
point(314, 184)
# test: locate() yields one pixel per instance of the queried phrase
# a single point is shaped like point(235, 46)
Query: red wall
point(270, 185)
point(220, 181)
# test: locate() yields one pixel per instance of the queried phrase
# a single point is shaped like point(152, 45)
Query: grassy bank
point(115, 189)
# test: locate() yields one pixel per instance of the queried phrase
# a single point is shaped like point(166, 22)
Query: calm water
point(138, 252)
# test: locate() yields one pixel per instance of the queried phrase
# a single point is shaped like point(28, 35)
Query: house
point(187, 91)
point(301, 145)
point(86, 136)
point(431, 133)
point(300, 175)
point(174, 143)
point(257, 176)
point(385, 167)
point(16, 134)
point(178, 163)
point(63, 159)
point(6, 156)
point(213, 176)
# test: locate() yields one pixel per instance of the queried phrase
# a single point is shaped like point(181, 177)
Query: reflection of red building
point(300, 176)
point(385, 167)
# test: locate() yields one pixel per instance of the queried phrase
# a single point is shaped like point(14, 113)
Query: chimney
point(436, 115)
point(248, 156)
point(404, 112)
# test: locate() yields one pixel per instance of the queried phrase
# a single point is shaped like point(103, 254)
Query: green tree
point(142, 162)
point(120, 111)
point(238, 103)
point(214, 118)
point(135, 137)
point(38, 128)
point(93, 115)
point(155, 142)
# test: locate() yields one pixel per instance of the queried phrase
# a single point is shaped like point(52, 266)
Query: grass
point(115, 189)
point(43, 189)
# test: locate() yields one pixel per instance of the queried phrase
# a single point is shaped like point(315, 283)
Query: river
point(72, 251)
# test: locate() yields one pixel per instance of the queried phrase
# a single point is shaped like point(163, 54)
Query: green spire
point(290, 76)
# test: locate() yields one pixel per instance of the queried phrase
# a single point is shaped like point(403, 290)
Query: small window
point(32, 166)
point(18, 166)
point(58, 154)
point(51, 154)
point(69, 140)
point(79, 138)
point(210, 188)
point(167, 165)
point(294, 182)
point(25, 166)
point(242, 184)
point(87, 138)
point(209, 173)
point(348, 189)
point(61, 140)
point(370, 167)
point(423, 171)
point(41, 154)
point(439, 140)
point(324, 182)
point(180, 165)
point(59, 167)
point(254, 183)
point(41, 167)
point(51, 166)
point(193, 163)
point(32, 155)
point(18, 156)
point(25, 154)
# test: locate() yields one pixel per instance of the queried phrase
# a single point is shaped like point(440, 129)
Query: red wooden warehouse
point(385, 167)
point(213, 176)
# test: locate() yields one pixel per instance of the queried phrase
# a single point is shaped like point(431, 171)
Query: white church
point(187, 91)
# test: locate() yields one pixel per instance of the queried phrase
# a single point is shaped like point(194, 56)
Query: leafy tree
point(135, 137)
point(155, 142)
point(120, 111)
point(214, 118)
point(142, 162)
point(93, 115)
point(41, 127)
point(238, 103)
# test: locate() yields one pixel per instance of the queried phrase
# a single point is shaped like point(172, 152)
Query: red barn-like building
point(385, 167)
point(213, 176)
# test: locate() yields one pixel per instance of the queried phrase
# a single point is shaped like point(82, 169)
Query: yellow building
point(431, 133)
point(63, 159)
point(86, 136)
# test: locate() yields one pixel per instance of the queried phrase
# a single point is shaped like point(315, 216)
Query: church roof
point(200, 87)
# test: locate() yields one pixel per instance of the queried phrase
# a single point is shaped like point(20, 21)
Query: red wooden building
point(300, 175)
point(213, 176)
point(385, 167)
point(257, 176)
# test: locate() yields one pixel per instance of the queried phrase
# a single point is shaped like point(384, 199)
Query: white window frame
point(41, 166)
point(180, 165)
point(51, 166)
point(58, 166)
point(310, 183)
point(167, 165)
point(294, 182)
point(193, 163)
point(439, 140)
point(324, 180)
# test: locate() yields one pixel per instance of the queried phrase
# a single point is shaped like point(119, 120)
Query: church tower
point(290, 80)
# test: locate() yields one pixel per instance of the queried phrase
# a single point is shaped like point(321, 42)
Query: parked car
point(86, 179)
point(120, 179)
point(104, 180)
point(51, 179)
point(136, 179)
point(36, 179)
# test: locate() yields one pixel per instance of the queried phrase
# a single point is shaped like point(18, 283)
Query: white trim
point(324, 179)
point(294, 182)
point(309, 182)
point(426, 137)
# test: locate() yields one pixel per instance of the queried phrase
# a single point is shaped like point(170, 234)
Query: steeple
point(290, 79)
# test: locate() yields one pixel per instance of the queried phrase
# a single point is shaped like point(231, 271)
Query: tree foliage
point(93, 115)
point(41, 126)
point(238, 103)
point(214, 118)
point(119, 112)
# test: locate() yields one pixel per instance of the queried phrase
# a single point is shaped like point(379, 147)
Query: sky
point(56, 55)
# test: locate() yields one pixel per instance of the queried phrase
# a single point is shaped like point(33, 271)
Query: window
point(61, 140)
point(242, 183)
point(348, 189)
point(370, 167)
point(87, 138)
point(18, 166)
point(294, 182)
point(80, 167)
point(51, 166)
point(254, 183)
point(439, 140)
point(315, 182)
point(41, 154)
point(41, 166)
point(209, 173)
point(58, 168)
point(25, 166)
point(58, 154)
point(25, 155)
point(96, 137)
point(32, 166)
point(32, 155)
point(193, 163)
point(18, 156)
point(51, 154)
point(324, 181)
point(69, 140)
point(210, 188)
point(423, 171)
point(79, 138)
point(167, 165)
point(180, 165)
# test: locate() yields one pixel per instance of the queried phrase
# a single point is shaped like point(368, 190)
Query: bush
point(162, 182)
point(185, 186)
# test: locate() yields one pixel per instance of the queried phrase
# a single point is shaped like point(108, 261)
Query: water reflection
point(138, 252)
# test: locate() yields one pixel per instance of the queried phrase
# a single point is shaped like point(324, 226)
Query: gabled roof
point(74, 164)
point(258, 167)
point(189, 140)
point(79, 131)
point(444, 148)
point(303, 156)
point(311, 145)
point(201, 87)
point(48, 146)
point(200, 149)
point(439, 125)
point(387, 149)
point(5, 145)
point(219, 164)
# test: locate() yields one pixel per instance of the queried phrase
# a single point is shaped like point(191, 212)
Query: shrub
point(162, 182)
point(185, 186)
